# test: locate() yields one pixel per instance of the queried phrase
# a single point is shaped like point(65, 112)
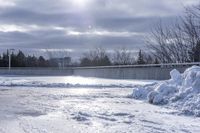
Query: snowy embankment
point(181, 92)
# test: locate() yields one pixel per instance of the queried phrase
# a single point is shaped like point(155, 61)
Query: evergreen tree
point(42, 62)
point(156, 61)
point(21, 59)
point(5, 59)
point(31, 61)
point(140, 59)
point(197, 52)
point(1, 61)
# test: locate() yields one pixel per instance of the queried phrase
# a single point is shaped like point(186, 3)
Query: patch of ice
point(67, 82)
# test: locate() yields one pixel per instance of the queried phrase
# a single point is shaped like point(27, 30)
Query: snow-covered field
point(83, 105)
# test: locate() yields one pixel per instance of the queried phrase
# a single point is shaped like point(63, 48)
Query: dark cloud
point(65, 24)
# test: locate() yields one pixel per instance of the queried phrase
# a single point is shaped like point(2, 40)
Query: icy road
point(103, 106)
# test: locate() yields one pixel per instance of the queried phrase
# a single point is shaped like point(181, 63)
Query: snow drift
point(182, 91)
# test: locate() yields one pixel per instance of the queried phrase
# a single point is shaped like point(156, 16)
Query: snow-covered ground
point(67, 82)
point(83, 105)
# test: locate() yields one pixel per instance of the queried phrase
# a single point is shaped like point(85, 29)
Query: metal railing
point(142, 66)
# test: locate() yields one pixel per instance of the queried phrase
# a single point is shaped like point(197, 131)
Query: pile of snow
point(182, 91)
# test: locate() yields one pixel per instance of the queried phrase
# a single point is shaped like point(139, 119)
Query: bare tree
point(175, 43)
point(179, 42)
point(122, 57)
point(191, 29)
point(96, 57)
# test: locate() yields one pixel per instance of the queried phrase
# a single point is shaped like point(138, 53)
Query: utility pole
point(63, 63)
point(9, 52)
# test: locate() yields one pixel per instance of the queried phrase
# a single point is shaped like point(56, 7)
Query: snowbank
point(182, 91)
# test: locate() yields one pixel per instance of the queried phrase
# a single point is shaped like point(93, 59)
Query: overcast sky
point(79, 25)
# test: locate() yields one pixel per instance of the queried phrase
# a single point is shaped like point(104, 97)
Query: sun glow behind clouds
point(80, 4)
point(6, 3)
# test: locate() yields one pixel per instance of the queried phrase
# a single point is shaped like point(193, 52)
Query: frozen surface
point(181, 92)
point(26, 109)
point(66, 82)
point(45, 110)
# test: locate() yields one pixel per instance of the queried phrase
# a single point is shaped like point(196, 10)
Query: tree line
point(100, 57)
point(19, 59)
point(95, 57)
